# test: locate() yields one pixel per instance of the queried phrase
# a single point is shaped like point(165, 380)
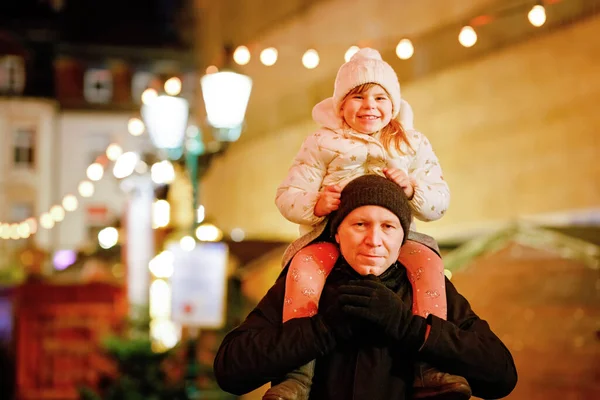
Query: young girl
point(360, 135)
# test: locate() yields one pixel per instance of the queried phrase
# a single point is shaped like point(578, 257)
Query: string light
point(352, 50)
point(135, 126)
point(310, 59)
point(405, 49)
point(46, 221)
point(95, 172)
point(187, 243)
point(113, 151)
point(173, 86)
point(467, 36)
point(57, 213)
point(268, 56)
point(148, 95)
point(537, 15)
point(70, 203)
point(85, 189)
point(241, 55)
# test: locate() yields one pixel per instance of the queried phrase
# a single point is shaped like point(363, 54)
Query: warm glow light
point(212, 69)
point(95, 172)
point(162, 172)
point(23, 230)
point(160, 299)
point(237, 234)
point(86, 189)
point(166, 121)
point(32, 222)
point(135, 126)
point(46, 221)
point(148, 95)
point(173, 86)
point(70, 202)
point(208, 233)
point(467, 36)
point(165, 333)
point(241, 55)
point(226, 96)
point(405, 49)
point(350, 52)
point(125, 165)
point(108, 237)
point(113, 151)
point(200, 214)
point(537, 15)
point(57, 213)
point(162, 265)
point(310, 59)
point(14, 231)
point(161, 214)
point(187, 243)
point(268, 56)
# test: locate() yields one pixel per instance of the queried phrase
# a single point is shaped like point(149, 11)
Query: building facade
point(511, 118)
point(69, 85)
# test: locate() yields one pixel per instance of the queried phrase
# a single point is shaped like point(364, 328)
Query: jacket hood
point(324, 115)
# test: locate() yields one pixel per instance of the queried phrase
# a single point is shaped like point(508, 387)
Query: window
point(98, 86)
point(12, 75)
point(24, 147)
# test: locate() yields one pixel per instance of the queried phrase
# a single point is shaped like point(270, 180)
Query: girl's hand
point(329, 201)
point(400, 178)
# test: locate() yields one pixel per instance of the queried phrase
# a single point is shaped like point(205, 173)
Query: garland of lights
point(467, 37)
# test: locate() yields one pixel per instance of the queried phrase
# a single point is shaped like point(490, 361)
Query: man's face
point(370, 238)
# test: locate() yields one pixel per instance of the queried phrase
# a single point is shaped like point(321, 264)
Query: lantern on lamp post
point(166, 119)
point(226, 95)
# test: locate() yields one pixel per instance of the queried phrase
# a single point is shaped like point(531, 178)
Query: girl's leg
point(426, 274)
point(306, 278)
point(304, 283)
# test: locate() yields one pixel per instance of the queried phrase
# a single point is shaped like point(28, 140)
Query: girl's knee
point(322, 255)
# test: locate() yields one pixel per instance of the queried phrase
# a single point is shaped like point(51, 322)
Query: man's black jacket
point(262, 349)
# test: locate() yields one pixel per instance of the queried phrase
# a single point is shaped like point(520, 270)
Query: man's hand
point(401, 179)
point(371, 301)
point(329, 201)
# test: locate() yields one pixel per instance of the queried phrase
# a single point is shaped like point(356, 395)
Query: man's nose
point(373, 237)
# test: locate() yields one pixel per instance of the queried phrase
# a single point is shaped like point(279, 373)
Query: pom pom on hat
point(366, 66)
point(367, 52)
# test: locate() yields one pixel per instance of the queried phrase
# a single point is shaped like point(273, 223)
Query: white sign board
point(199, 285)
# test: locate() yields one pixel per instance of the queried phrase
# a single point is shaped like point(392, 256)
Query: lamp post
point(226, 96)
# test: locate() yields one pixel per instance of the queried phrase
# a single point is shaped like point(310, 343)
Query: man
point(365, 339)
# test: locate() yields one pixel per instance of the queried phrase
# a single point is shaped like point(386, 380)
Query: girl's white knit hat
point(366, 66)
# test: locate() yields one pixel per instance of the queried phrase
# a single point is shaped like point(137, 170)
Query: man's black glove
point(342, 326)
point(372, 301)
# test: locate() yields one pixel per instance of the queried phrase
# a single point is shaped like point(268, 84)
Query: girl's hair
point(393, 134)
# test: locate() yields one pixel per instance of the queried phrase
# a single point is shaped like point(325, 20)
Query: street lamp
point(226, 95)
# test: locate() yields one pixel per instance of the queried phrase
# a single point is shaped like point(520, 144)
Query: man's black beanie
point(372, 190)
